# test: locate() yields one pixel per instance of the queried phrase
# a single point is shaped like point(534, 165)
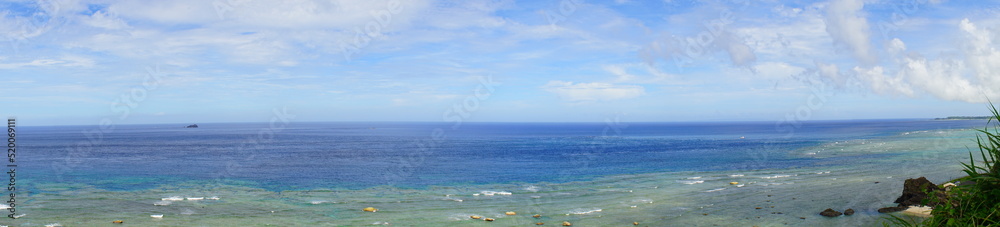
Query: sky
point(83, 62)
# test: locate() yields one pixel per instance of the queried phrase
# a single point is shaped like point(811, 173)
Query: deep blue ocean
point(316, 155)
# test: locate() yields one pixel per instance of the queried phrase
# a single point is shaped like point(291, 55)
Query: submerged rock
point(829, 212)
point(849, 212)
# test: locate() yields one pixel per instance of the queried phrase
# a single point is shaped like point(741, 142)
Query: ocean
point(440, 174)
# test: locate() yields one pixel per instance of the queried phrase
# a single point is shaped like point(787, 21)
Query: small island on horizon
point(965, 118)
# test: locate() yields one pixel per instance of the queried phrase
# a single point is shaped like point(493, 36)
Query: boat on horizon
point(192, 126)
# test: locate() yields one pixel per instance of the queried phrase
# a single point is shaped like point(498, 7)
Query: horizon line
point(539, 122)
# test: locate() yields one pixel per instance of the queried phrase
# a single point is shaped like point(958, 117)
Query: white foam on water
point(4, 206)
point(453, 199)
point(317, 202)
point(162, 203)
point(156, 215)
point(173, 198)
point(381, 223)
point(776, 176)
point(531, 188)
point(715, 190)
point(213, 198)
point(735, 175)
point(691, 181)
point(582, 211)
point(740, 185)
point(195, 198)
point(462, 216)
point(19, 215)
point(492, 193)
point(640, 201)
point(53, 225)
point(694, 178)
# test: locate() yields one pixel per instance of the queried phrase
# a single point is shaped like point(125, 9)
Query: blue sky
point(196, 61)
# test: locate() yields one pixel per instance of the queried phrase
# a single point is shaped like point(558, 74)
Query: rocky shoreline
point(918, 197)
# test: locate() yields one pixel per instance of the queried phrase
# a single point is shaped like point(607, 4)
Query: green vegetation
point(975, 204)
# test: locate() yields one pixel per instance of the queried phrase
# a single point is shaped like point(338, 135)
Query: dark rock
point(915, 192)
point(891, 209)
point(849, 212)
point(830, 213)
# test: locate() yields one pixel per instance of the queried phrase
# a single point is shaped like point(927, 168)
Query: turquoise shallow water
point(836, 172)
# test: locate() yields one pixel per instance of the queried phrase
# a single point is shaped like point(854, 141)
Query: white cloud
point(776, 70)
point(620, 72)
point(981, 53)
point(797, 40)
point(65, 61)
point(739, 52)
point(881, 83)
point(831, 73)
point(638, 73)
point(102, 19)
point(582, 92)
point(39, 62)
point(846, 23)
point(950, 79)
point(969, 79)
point(785, 11)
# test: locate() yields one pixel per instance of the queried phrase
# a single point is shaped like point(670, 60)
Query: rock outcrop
point(916, 192)
point(830, 213)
